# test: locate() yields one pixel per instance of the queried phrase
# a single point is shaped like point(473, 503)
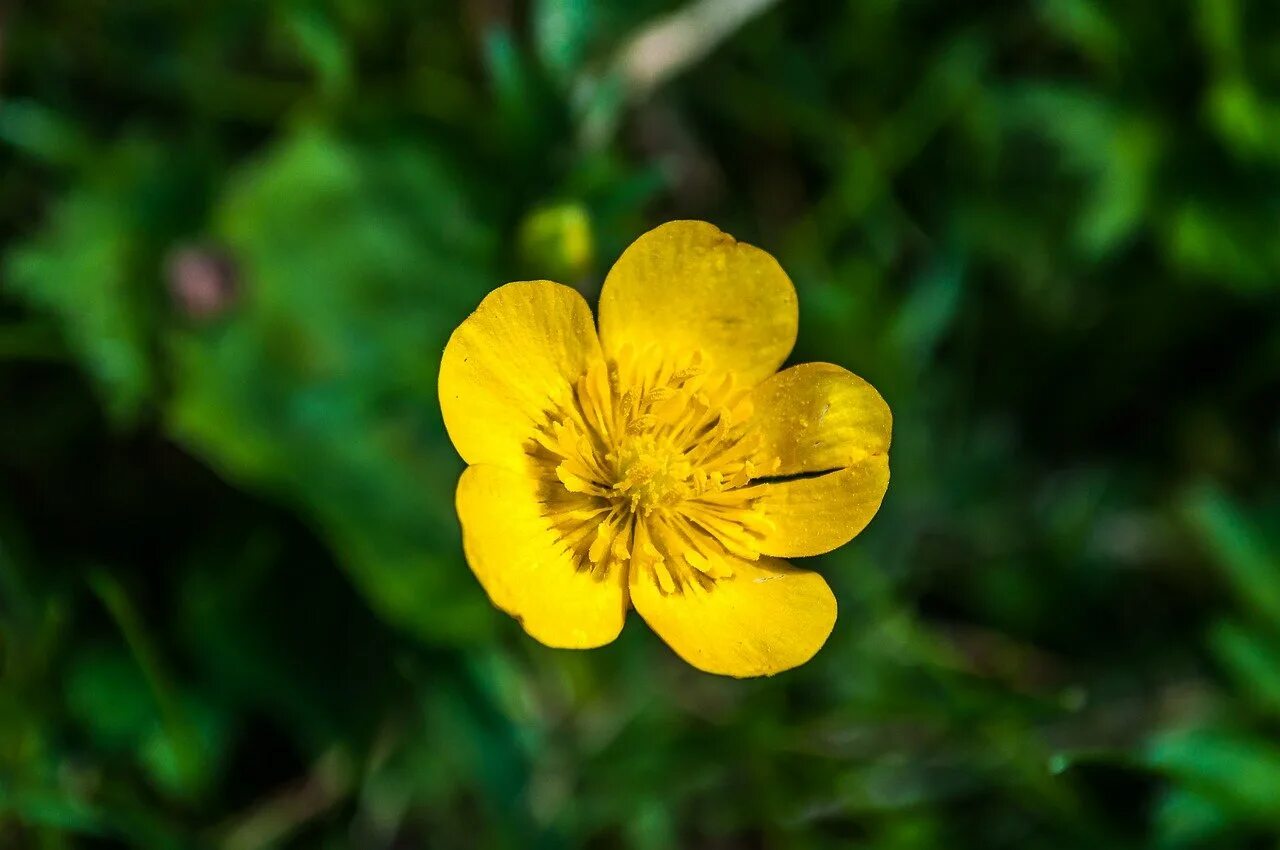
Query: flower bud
point(556, 242)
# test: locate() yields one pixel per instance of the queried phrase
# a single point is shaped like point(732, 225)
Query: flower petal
point(522, 347)
point(827, 424)
point(768, 617)
point(815, 515)
point(527, 570)
point(687, 286)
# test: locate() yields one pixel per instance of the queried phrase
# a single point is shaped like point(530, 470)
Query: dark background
point(237, 233)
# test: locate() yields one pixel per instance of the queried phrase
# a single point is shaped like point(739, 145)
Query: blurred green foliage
point(236, 235)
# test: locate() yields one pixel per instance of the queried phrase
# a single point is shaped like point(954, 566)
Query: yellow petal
point(522, 347)
point(827, 424)
point(814, 515)
point(767, 618)
point(817, 416)
point(687, 286)
point(526, 569)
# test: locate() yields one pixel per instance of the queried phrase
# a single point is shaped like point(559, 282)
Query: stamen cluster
point(651, 461)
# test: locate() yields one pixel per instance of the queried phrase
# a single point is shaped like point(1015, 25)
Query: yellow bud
point(556, 242)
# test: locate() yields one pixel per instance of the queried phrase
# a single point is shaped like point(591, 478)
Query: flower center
point(650, 462)
point(651, 473)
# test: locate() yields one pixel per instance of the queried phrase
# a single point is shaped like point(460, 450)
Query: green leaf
point(929, 311)
point(262, 624)
point(1240, 773)
point(320, 43)
point(1239, 549)
point(109, 696)
point(1253, 659)
point(562, 31)
point(1088, 25)
point(1115, 148)
point(1186, 819)
point(356, 262)
point(1229, 243)
point(40, 132)
point(90, 267)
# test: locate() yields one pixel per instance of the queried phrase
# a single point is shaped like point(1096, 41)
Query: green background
point(237, 233)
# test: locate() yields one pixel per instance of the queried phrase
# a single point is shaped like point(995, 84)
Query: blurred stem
point(988, 717)
point(180, 731)
point(466, 689)
point(1239, 548)
point(669, 45)
point(511, 83)
point(656, 53)
point(268, 824)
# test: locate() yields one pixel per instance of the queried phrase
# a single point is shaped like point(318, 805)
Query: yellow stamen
point(652, 461)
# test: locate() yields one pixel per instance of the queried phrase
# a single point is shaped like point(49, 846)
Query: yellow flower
point(663, 464)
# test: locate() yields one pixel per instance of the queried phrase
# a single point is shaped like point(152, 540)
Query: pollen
point(651, 461)
point(651, 473)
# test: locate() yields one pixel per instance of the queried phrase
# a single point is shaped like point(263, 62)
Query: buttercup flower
point(664, 463)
